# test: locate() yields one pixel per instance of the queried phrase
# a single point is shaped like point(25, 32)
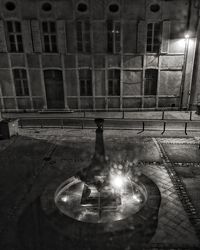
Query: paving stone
point(184, 153)
point(174, 227)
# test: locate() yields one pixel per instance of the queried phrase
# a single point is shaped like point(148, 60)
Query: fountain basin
point(107, 206)
point(132, 228)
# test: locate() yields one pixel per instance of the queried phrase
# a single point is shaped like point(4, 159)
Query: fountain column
point(99, 154)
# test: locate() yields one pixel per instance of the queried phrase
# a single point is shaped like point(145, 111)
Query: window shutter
point(3, 46)
point(71, 37)
point(61, 33)
point(37, 44)
point(26, 32)
point(141, 41)
point(165, 37)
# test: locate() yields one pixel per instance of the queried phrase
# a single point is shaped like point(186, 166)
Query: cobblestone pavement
point(178, 226)
point(174, 228)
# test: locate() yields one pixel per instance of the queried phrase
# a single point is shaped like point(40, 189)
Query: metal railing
point(87, 122)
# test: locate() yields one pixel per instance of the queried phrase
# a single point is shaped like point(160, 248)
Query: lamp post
point(187, 37)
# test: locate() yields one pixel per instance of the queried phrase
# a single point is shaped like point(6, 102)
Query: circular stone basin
point(60, 227)
point(118, 224)
point(84, 203)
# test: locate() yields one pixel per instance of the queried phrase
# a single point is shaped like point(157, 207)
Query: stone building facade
point(98, 54)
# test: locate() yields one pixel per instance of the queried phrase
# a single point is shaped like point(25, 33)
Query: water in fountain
point(103, 192)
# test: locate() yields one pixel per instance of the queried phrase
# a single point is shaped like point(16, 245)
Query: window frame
point(14, 46)
point(112, 36)
point(154, 46)
point(21, 82)
point(114, 82)
point(83, 36)
point(150, 80)
point(49, 34)
point(85, 82)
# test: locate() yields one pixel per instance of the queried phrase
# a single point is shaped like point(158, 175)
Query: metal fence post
point(164, 127)
point(186, 128)
point(142, 128)
point(163, 115)
point(190, 115)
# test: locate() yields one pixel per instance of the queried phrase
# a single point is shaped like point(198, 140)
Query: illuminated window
point(14, 36)
point(49, 36)
point(153, 37)
point(114, 82)
point(114, 36)
point(21, 83)
point(151, 78)
point(85, 79)
point(83, 36)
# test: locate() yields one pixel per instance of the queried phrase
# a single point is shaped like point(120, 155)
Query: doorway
point(54, 89)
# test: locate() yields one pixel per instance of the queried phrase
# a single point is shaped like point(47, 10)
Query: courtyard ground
point(30, 161)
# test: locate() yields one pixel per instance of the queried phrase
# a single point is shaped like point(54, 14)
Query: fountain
point(107, 205)
point(103, 192)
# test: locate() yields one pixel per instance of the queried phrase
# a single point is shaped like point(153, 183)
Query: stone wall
point(172, 62)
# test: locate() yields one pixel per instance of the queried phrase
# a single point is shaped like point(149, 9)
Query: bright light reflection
point(136, 198)
point(118, 181)
point(181, 43)
point(64, 198)
point(187, 36)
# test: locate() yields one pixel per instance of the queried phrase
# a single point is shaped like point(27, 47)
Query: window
point(153, 37)
point(113, 8)
point(46, 7)
point(49, 36)
point(113, 82)
point(113, 33)
point(82, 7)
point(14, 36)
point(83, 36)
point(155, 7)
point(21, 83)
point(151, 77)
point(85, 80)
point(10, 6)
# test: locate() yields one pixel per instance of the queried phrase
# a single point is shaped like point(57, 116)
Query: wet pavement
point(38, 157)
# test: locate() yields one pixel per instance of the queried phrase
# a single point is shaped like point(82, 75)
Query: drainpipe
point(196, 59)
point(185, 62)
point(184, 70)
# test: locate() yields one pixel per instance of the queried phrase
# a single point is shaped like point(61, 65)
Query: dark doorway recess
point(54, 89)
